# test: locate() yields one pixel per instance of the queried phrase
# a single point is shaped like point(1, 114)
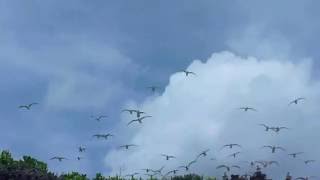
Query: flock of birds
point(140, 116)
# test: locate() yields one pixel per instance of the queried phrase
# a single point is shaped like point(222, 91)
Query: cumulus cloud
point(201, 112)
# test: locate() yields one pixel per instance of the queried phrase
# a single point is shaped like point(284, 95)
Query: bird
point(147, 170)
point(28, 106)
point(188, 72)
point(159, 170)
point(203, 153)
point(306, 178)
point(131, 111)
point(168, 157)
point(235, 166)
point(82, 149)
point(234, 154)
point(294, 155)
point(248, 108)
point(173, 171)
point(138, 120)
point(296, 101)
point(273, 148)
point(79, 158)
point(105, 136)
point(309, 161)
point(277, 129)
point(223, 166)
point(98, 118)
point(126, 146)
point(58, 158)
point(230, 146)
point(153, 88)
point(187, 167)
point(267, 127)
point(139, 113)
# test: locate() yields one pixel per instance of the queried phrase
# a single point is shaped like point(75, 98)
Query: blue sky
point(78, 58)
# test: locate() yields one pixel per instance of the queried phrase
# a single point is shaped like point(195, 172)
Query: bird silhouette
point(131, 111)
point(98, 118)
point(296, 101)
point(138, 120)
point(187, 167)
point(234, 154)
point(267, 128)
point(105, 136)
point(230, 146)
point(274, 148)
point(28, 106)
point(223, 166)
point(173, 171)
point(168, 157)
point(247, 109)
point(203, 153)
point(82, 149)
point(294, 155)
point(126, 146)
point(139, 113)
point(188, 72)
point(58, 158)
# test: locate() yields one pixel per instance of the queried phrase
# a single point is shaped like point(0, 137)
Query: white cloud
point(200, 112)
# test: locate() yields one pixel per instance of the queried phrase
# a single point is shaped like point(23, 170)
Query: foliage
point(74, 176)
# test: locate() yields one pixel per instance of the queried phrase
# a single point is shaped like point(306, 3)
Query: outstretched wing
point(131, 122)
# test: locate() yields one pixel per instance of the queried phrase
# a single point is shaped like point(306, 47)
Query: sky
point(83, 58)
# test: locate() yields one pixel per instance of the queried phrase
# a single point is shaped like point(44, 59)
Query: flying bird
point(274, 148)
point(82, 149)
point(173, 171)
point(159, 170)
point(203, 153)
point(247, 109)
point(296, 101)
point(58, 158)
point(139, 113)
point(126, 146)
point(138, 120)
point(131, 111)
point(105, 136)
point(223, 166)
point(98, 118)
point(234, 154)
point(267, 128)
point(28, 106)
point(168, 157)
point(230, 146)
point(294, 155)
point(188, 72)
point(187, 167)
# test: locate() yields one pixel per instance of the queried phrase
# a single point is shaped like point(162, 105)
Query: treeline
point(29, 168)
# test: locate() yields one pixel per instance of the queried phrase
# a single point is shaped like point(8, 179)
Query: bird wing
point(267, 147)
point(235, 166)
point(280, 148)
point(131, 122)
point(190, 163)
point(145, 117)
point(222, 166)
